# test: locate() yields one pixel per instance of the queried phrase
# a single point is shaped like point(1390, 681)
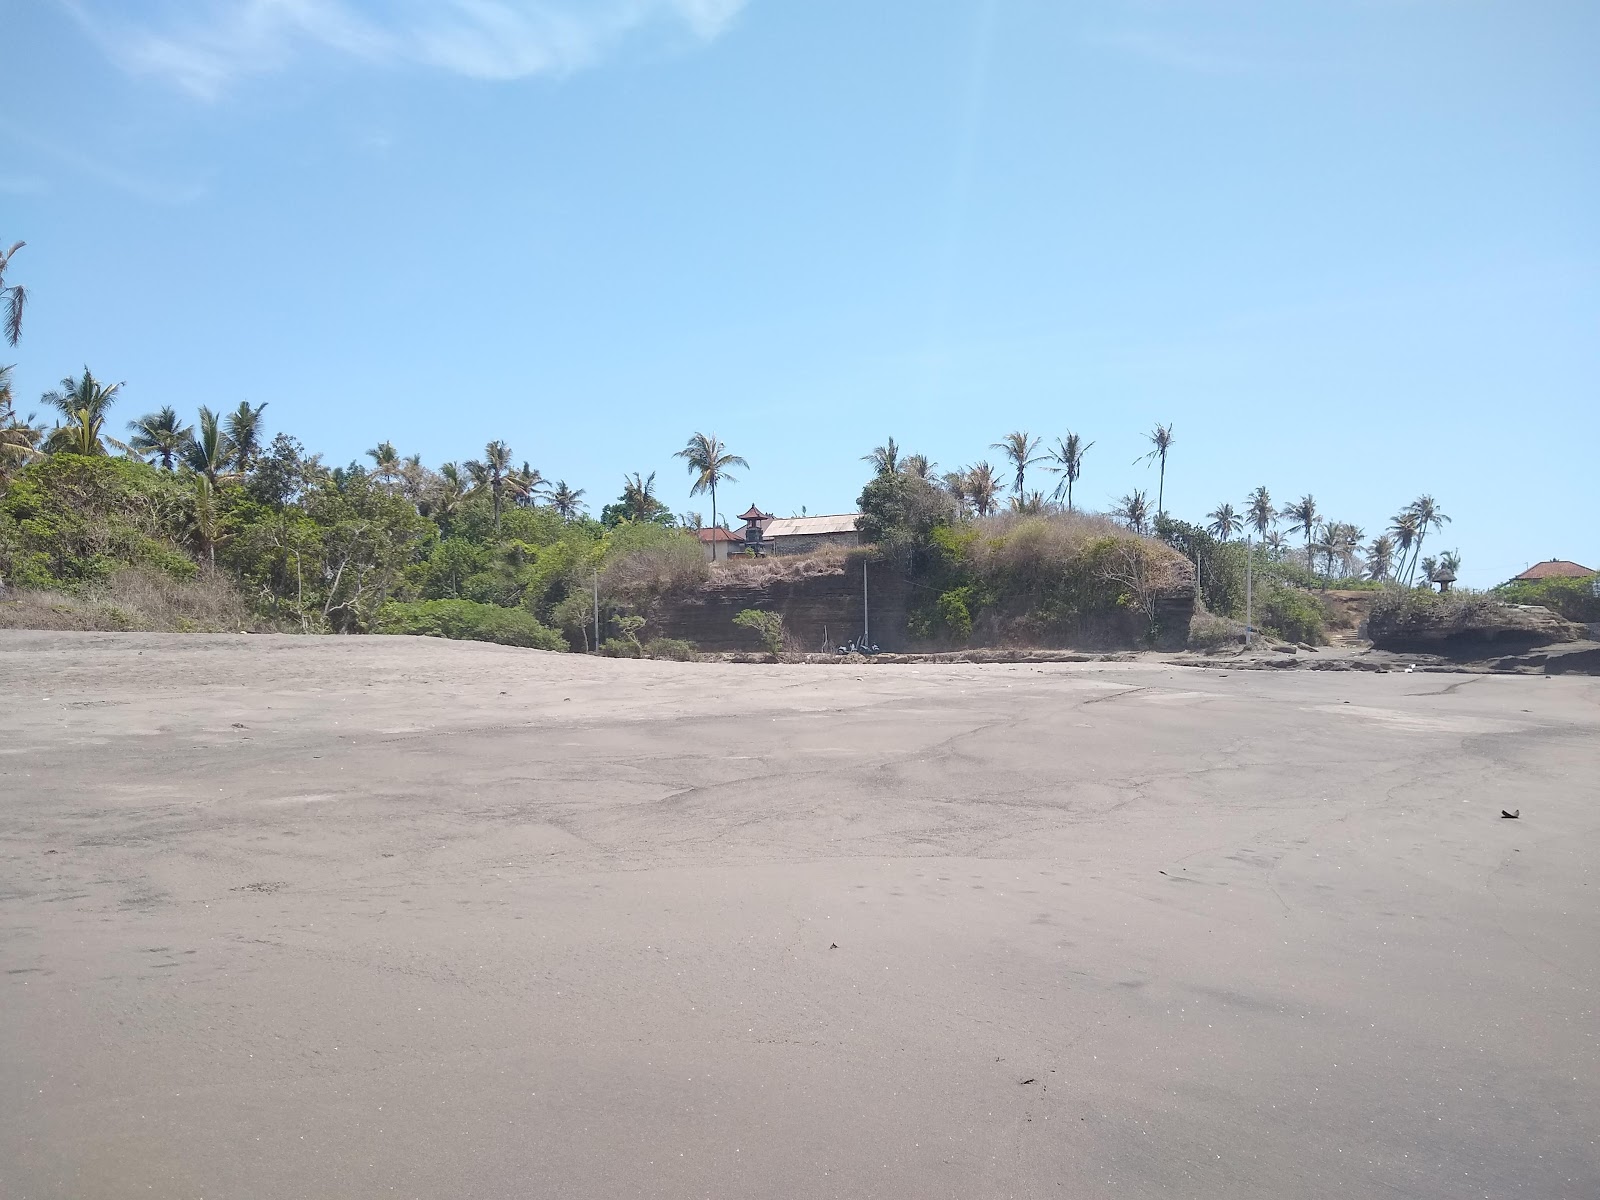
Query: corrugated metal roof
point(812, 526)
point(1556, 568)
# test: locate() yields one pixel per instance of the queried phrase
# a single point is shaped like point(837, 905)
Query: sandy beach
point(388, 917)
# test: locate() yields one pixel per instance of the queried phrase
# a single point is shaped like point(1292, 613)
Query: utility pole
point(1249, 570)
point(597, 610)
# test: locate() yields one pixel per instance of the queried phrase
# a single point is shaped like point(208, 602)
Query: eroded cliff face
point(1447, 631)
point(823, 609)
point(819, 611)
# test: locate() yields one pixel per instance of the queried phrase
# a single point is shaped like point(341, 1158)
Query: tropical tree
point(160, 436)
point(1134, 508)
point(210, 451)
point(1161, 440)
point(204, 521)
point(1259, 513)
point(443, 500)
point(1428, 516)
point(1224, 522)
point(885, 459)
point(385, 462)
point(955, 482)
point(1380, 557)
point(982, 488)
point(1403, 528)
point(567, 502)
point(415, 479)
point(638, 502)
point(1067, 461)
point(12, 296)
point(710, 462)
point(919, 465)
point(1430, 565)
point(489, 474)
point(19, 440)
point(1302, 516)
point(526, 485)
point(244, 431)
point(1022, 451)
point(83, 404)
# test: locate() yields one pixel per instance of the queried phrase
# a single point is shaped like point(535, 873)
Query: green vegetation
point(768, 626)
point(467, 620)
point(1574, 599)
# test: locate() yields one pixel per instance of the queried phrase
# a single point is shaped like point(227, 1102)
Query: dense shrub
point(135, 598)
point(768, 626)
point(1574, 599)
point(1207, 631)
point(675, 649)
point(1290, 613)
point(465, 620)
point(899, 514)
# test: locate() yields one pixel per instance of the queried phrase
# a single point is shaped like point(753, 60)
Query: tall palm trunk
point(1161, 488)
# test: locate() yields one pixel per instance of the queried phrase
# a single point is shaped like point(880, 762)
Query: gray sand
point(294, 917)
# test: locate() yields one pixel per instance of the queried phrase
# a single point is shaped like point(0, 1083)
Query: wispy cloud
point(204, 46)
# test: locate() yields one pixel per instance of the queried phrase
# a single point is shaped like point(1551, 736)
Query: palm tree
point(526, 484)
point(14, 296)
point(982, 488)
point(639, 501)
point(1380, 557)
point(385, 462)
point(489, 474)
point(160, 435)
point(1022, 450)
point(1224, 522)
point(1428, 516)
point(415, 479)
point(955, 482)
point(83, 403)
point(1403, 528)
point(1275, 543)
point(1134, 508)
point(567, 502)
point(1161, 440)
point(210, 450)
point(207, 528)
point(919, 465)
point(1347, 546)
point(244, 431)
point(710, 462)
point(444, 498)
point(1067, 458)
point(885, 459)
point(18, 438)
point(1302, 517)
point(1259, 513)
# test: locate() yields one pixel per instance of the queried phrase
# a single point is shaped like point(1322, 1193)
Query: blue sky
point(1347, 247)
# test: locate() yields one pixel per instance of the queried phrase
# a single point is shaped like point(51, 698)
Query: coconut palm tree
point(210, 451)
point(1403, 528)
point(83, 404)
point(1023, 451)
point(1302, 516)
point(1276, 544)
point(885, 459)
point(1134, 508)
point(13, 296)
point(1224, 522)
point(19, 440)
point(160, 436)
point(567, 502)
point(1067, 461)
point(443, 499)
point(1380, 557)
point(711, 463)
point(919, 465)
point(639, 501)
point(1259, 513)
point(244, 431)
point(489, 474)
point(1338, 541)
point(955, 482)
point(1428, 516)
point(385, 462)
point(526, 485)
point(982, 488)
point(1161, 440)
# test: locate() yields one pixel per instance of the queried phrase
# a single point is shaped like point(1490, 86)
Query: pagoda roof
point(755, 514)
